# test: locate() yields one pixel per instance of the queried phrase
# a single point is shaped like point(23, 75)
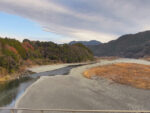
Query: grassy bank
point(137, 75)
point(21, 71)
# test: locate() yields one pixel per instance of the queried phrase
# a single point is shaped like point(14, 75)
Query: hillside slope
point(131, 45)
point(14, 54)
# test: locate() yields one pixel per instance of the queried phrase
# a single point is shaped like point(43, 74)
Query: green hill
point(14, 54)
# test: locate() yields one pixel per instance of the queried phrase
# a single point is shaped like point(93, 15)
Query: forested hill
point(13, 53)
point(86, 43)
point(131, 45)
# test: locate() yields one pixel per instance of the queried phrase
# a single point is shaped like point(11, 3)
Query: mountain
point(130, 45)
point(86, 43)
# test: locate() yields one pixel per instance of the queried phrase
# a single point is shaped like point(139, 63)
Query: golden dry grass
point(146, 58)
point(137, 75)
point(5, 78)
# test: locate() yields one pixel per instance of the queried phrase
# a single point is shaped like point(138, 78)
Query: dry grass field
point(137, 75)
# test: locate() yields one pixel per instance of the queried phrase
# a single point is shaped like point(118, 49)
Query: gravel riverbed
point(76, 92)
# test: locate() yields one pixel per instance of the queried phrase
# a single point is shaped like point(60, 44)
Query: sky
point(62, 21)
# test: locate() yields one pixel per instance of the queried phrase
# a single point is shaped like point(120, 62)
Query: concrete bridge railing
point(13, 110)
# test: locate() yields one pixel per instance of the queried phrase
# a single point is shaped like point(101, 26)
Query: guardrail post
point(42, 111)
point(12, 111)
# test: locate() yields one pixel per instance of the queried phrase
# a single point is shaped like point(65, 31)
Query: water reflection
point(9, 90)
point(61, 71)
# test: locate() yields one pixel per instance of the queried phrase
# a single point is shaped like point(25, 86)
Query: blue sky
point(18, 27)
point(66, 20)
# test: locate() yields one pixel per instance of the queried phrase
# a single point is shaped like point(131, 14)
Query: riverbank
point(15, 75)
point(31, 68)
point(44, 68)
point(20, 72)
point(12, 90)
point(136, 75)
point(77, 92)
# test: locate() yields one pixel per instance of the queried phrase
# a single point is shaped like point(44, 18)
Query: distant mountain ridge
point(91, 42)
point(130, 45)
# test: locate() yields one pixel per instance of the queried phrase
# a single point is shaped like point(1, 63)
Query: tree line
point(13, 53)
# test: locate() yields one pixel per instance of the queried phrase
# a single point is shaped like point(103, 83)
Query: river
point(11, 91)
point(82, 93)
point(77, 92)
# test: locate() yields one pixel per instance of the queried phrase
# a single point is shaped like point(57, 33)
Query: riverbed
point(76, 92)
point(11, 91)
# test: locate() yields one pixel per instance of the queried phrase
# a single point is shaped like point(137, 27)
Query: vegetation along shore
point(15, 56)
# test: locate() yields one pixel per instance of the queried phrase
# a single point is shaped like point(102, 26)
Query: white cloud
point(103, 20)
point(89, 35)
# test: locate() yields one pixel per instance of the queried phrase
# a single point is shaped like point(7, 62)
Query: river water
point(11, 91)
point(76, 92)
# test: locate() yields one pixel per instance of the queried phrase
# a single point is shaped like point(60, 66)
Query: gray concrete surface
point(76, 92)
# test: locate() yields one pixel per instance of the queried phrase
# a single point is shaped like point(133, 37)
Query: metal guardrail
point(12, 110)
